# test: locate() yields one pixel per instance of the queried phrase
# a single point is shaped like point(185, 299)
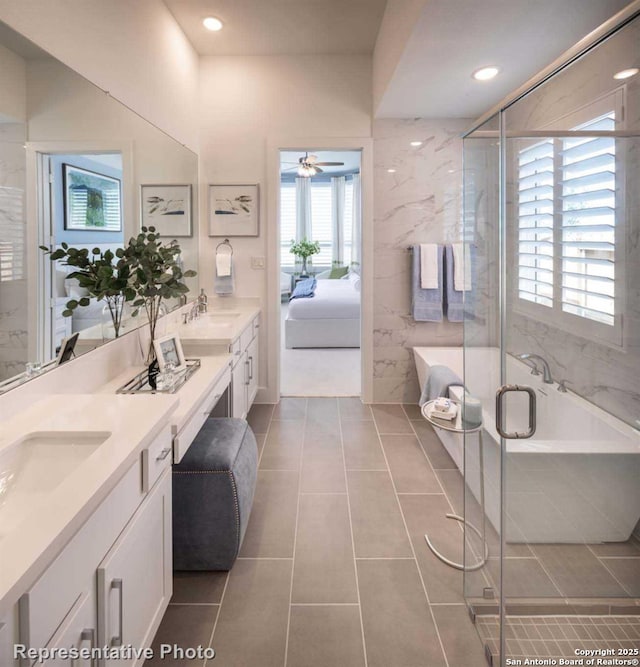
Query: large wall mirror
point(76, 167)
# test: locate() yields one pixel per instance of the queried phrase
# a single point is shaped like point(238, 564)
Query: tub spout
point(546, 371)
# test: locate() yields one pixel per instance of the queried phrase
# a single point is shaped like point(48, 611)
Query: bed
point(331, 318)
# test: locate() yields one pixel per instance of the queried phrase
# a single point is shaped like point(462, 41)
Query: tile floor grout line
point(353, 543)
point(194, 604)
point(413, 551)
point(295, 532)
point(324, 604)
point(624, 588)
point(215, 623)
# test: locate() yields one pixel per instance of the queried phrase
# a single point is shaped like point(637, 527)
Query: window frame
point(554, 315)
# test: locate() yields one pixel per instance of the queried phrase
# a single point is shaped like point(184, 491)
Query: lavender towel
point(426, 304)
point(457, 302)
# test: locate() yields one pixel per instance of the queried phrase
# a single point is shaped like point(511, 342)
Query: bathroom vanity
point(86, 537)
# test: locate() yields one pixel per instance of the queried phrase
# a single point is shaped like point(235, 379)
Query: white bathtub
point(576, 480)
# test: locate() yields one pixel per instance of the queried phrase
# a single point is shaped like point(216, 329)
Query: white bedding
point(333, 300)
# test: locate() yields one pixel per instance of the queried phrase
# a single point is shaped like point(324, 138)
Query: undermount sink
point(38, 463)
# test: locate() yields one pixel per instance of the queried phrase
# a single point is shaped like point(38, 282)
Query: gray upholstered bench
point(213, 490)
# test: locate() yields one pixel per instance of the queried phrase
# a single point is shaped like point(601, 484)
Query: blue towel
point(438, 383)
point(458, 303)
point(224, 285)
point(305, 289)
point(426, 304)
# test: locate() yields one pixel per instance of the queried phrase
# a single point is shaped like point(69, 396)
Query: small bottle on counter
point(203, 302)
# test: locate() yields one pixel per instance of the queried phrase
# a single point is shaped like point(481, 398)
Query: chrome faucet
point(546, 371)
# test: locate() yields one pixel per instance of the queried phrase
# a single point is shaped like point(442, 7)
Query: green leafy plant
point(105, 275)
point(304, 249)
point(156, 275)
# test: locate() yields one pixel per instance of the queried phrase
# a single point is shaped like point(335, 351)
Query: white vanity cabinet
point(113, 580)
point(135, 578)
point(244, 373)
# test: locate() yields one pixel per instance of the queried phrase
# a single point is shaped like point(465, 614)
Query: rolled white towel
point(223, 264)
point(429, 266)
point(461, 267)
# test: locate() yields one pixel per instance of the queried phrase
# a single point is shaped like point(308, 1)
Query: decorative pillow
point(354, 279)
point(73, 290)
point(338, 272)
point(304, 289)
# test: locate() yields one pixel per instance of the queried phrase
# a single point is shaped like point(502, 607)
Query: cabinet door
point(252, 388)
point(239, 382)
point(78, 631)
point(135, 578)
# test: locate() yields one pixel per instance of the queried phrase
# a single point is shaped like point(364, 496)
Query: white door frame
point(275, 145)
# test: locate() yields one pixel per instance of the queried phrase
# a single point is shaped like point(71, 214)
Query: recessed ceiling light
point(416, 143)
point(626, 73)
point(212, 23)
point(391, 171)
point(485, 73)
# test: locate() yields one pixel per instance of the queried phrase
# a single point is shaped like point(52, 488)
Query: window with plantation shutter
point(567, 211)
point(287, 222)
point(348, 222)
point(321, 222)
point(588, 223)
point(535, 228)
point(12, 243)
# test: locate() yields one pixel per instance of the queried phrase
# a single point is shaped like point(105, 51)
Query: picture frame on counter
point(234, 210)
point(169, 349)
point(167, 208)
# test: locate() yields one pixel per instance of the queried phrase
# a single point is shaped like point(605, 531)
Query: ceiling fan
point(308, 165)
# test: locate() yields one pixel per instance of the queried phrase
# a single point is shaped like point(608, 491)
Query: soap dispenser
point(203, 301)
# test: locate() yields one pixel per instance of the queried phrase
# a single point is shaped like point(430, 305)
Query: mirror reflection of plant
point(156, 275)
point(104, 274)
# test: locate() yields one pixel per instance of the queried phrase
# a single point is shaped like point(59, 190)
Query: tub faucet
point(546, 371)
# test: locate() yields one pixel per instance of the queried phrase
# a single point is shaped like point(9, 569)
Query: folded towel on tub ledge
point(438, 383)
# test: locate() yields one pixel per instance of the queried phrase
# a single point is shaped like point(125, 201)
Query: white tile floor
point(318, 372)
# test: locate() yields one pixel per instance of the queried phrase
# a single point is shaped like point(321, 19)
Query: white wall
point(246, 103)
point(399, 20)
point(135, 50)
point(13, 84)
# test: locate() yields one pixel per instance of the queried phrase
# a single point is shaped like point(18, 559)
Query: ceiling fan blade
point(296, 163)
point(290, 168)
point(315, 166)
point(329, 164)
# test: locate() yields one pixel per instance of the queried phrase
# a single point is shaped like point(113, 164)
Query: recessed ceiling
point(279, 27)
point(453, 38)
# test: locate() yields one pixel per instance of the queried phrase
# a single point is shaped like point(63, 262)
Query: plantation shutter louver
point(588, 223)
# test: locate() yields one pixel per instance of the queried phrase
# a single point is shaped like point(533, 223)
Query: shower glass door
point(551, 209)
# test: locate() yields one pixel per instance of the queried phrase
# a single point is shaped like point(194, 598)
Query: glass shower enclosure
point(552, 351)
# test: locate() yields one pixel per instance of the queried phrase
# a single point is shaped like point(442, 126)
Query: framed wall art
point(234, 210)
point(167, 208)
point(92, 201)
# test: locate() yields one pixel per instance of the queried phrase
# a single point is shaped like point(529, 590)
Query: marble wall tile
point(420, 203)
point(13, 293)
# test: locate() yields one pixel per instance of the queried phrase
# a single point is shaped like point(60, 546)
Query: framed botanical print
point(167, 208)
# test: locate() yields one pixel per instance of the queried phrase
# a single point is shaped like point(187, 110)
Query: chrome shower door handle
point(506, 388)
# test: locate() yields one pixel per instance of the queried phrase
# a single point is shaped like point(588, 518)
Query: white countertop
point(207, 330)
point(190, 395)
point(133, 422)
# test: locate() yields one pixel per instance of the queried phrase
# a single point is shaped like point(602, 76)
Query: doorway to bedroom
point(320, 261)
